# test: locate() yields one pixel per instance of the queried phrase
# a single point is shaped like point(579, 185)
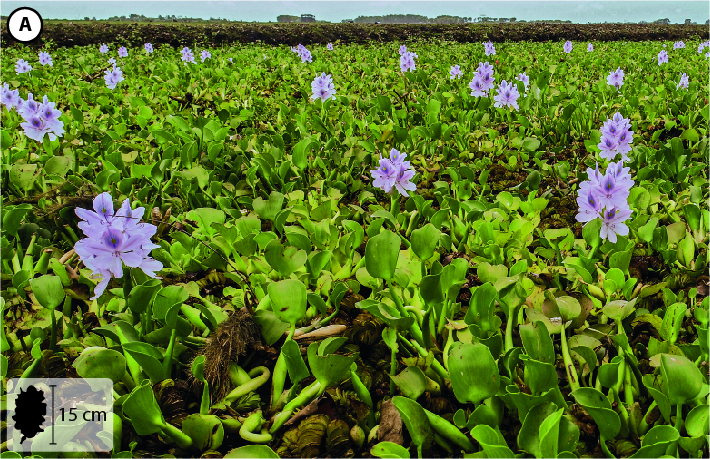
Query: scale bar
point(53, 386)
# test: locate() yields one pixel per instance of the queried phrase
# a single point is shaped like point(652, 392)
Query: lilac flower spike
point(103, 48)
point(407, 63)
point(683, 83)
point(148, 48)
point(187, 56)
point(323, 87)
point(613, 224)
point(40, 119)
point(22, 67)
point(385, 176)
point(522, 77)
point(455, 71)
point(10, 99)
point(489, 48)
point(330, 47)
point(616, 78)
point(394, 173)
point(662, 57)
point(567, 47)
point(122, 52)
point(678, 45)
point(45, 59)
point(303, 53)
point(402, 49)
point(482, 81)
point(507, 96)
point(590, 47)
point(616, 138)
point(113, 76)
point(114, 240)
point(205, 55)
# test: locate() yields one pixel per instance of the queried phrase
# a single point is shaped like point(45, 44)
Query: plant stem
point(168, 359)
point(569, 366)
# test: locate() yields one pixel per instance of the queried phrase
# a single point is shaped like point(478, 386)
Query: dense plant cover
point(353, 252)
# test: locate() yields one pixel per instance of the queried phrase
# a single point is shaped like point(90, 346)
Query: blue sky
point(335, 11)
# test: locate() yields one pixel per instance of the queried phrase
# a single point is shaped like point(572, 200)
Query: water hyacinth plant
point(323, 87)
point(113, 76)
point(45, 59)
point(122, 52)
point(406, 61)
point(114, 239)
point(148, 48)
point(567, 48)
point(187, 56)
point(205, 55)
point(590, 47)
point(662, 57)
point(40, 118)
point(616, 78)
point(21, 66)
point(268, 264)
point(490, 50)
point(329, 47)
point(103, 49)
point(678, 45)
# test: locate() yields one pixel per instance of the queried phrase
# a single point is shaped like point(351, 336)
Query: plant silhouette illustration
point(30, 410)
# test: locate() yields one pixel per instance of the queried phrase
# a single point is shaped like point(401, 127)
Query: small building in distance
point(308, 18)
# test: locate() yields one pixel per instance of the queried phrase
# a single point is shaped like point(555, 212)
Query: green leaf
point(411, 382)
point(682, 381)
point(143, 411)
point(297, 369)
point(599, 408)
point(531, 144)
point(252, 452)
point(381, 255)
point(389, 450)
point(537, 341)
point(424, 241)
point(416, 420)
point(331, 369)
point(474, 373)
point(288, 300)
point(48, 291)
point(492, 442)
point(99, 362)
point(268, 209)
point(284, 260)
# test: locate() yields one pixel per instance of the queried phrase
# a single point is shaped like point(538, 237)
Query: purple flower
point(608, 146)
point(567, 47)
point(112, 61)
point(323, 87)
point(590, 47)
point(45, 59)
point(683, 83)
point(707, 54)
point(478, 88)
point(484, 68)
point(187, 56)
point(397, 158)
point(507, 96)
point(113, 77)
point(386, 175)
point(613, 224)
point(103, 48)
point(402, 49)
point(522, 77)
point(406, 62)
point(403, 183)
point(330, 47)
point(303, 53)
point(613, 193)
point(40, 119)
point(148, 47)
point(616, 138)
point(455, 71)
point(678, 45)
point(205, 55)
point(616, 78)
point(122, 52)
point(115, 240)
point(489, 48)
point(589, 206)
point(10, 99)
point(22, 67)
point(662, 57)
